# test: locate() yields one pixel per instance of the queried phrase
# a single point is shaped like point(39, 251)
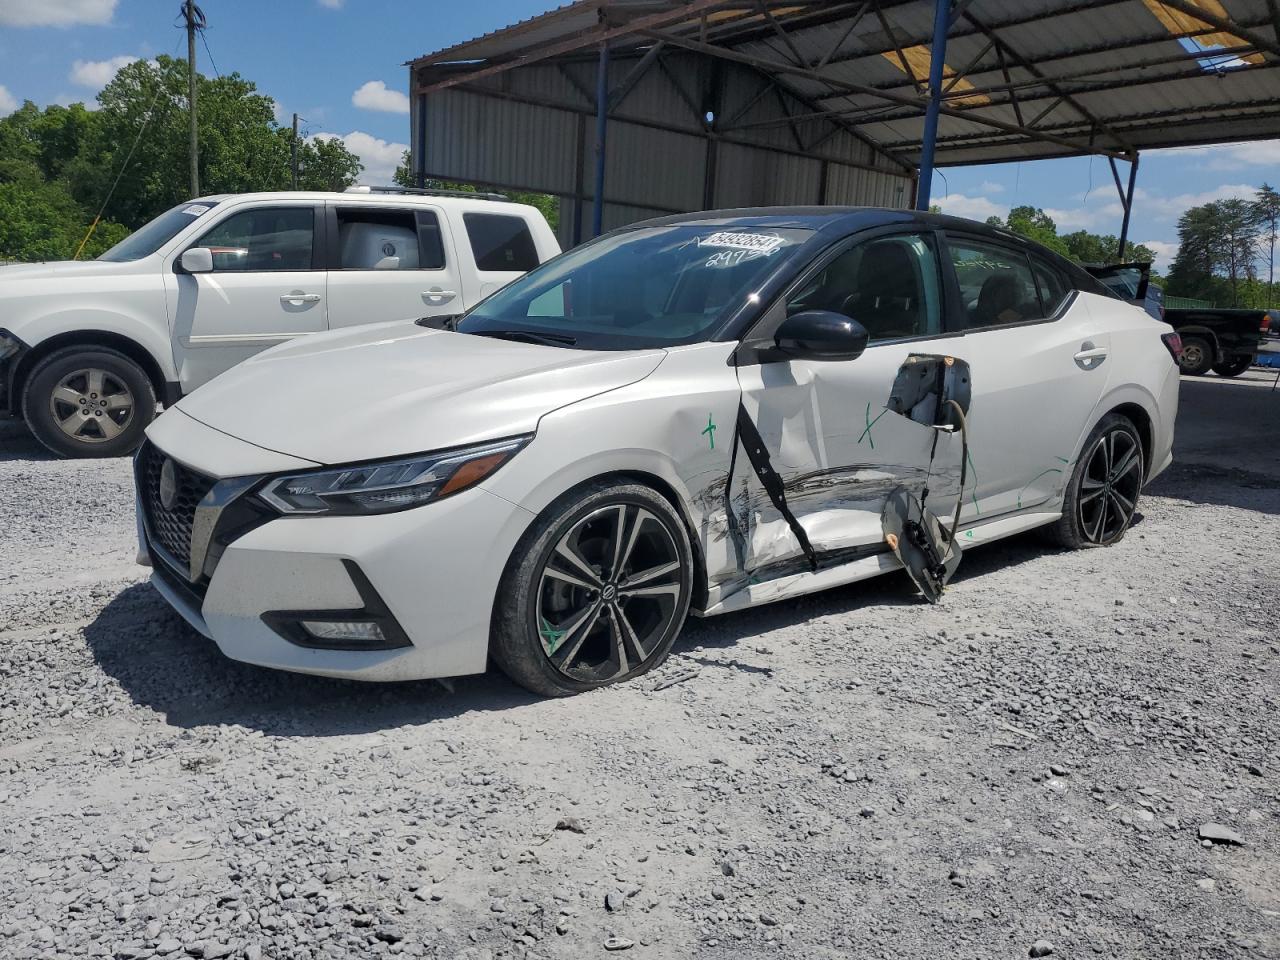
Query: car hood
point(60, 269)
point(391, 389)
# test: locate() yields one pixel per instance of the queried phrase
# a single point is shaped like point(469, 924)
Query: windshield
point(649, 287)
point(150, 237)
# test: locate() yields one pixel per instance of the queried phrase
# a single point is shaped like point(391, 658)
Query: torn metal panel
point(838, 459)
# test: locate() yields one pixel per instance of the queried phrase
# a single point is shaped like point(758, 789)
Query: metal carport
point(662, 106)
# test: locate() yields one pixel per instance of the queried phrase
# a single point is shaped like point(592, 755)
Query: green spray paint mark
point(969, 534)
point(710, 431)
point(974, 470)
point(866, 434)
point(551, 637)
point(1042, 473)
point(1062, 459)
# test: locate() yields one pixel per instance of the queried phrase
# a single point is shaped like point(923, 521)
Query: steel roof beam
point(855, 113)
point(1225, 25)
point(1110, 47)
point(1035, 71)
point(603, 34)
point(917, 105)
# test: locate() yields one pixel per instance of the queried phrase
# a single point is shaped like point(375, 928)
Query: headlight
point(391, 485)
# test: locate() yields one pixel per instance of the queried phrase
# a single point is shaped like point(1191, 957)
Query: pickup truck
point(1225, 341)
point(88, 350)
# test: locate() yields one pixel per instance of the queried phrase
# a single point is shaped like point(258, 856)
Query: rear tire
point(596, 591)
point(1197, 356)
point(1233, 367)
point(88, 402)
point(1102, 494)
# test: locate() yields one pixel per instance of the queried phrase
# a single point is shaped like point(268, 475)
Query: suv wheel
point(1233, 366)
point(1196, 357)
point(596, 592)
point(88, 402)
point(1102, 495)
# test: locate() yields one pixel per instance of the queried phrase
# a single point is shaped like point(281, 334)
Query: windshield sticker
point(196, 209)
point(736, 248)
point(762, 243)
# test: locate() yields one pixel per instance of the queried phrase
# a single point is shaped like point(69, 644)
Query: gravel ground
point(856, 774)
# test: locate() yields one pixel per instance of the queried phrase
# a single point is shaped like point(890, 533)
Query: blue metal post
point(937, 59)
point(602, 126)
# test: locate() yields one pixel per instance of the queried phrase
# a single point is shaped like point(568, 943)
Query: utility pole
point(293, 152)
point(189, 11)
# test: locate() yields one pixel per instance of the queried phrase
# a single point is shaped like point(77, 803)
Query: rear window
point(500, 242)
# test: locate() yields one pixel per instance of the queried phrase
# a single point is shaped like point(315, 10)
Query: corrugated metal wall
point(533, 128)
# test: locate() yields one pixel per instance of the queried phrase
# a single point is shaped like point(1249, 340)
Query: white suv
point(87, 349)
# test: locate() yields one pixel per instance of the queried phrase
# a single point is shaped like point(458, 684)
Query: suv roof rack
point(425, 192)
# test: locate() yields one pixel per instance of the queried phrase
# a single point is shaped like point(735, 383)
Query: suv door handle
point(1089, 357)
point(299, 297)
point(438, 296)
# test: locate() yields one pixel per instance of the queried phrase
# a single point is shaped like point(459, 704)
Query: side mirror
point(821, 335)
point(197, 260)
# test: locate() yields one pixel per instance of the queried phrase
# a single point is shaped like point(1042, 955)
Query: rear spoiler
point(1103, 270)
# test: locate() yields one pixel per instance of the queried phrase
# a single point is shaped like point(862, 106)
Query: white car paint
point(193, 327)
point(665, 416)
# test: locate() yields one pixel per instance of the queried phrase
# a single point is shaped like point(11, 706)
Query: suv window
point(889, 285)
point(388, 239)
point(500, 242)
point(996, 285)
point(266, 238)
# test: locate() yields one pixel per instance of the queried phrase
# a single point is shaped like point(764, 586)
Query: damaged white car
point(700, 413)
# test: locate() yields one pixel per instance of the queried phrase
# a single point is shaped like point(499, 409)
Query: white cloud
point(975, 208)
point(331, 4)
point(1230, 156)
point(375, 95)
point(990, 186)
point(8, 103)
point(1164, 251)
point(1154, 205)
point(96, 74)
point(55, 13)
point(380, 157)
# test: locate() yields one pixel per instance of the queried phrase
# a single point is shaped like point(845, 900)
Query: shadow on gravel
point(1207, 483)
point(164, 665)
point(17, 444)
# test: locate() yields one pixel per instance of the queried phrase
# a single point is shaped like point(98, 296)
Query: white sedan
point(695, 414)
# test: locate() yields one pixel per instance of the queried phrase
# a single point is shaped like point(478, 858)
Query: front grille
point(170, 528)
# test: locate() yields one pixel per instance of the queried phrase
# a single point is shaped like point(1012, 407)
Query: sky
point(339, 64)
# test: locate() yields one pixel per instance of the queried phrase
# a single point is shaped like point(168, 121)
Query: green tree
point(325, 163)
point(40, 221)
point(1267, 211)
point(1034, 224)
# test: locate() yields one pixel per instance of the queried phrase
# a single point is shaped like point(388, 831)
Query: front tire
point(1233, 366)
point(88, 402)
point(1102, 494)
point(1196, 357)
point(596, 591)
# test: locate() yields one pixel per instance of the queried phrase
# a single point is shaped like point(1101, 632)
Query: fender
point(152, 337)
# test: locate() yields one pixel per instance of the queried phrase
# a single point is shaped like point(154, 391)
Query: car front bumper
point(433, 571)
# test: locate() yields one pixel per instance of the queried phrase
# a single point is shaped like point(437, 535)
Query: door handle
point(299, 297)
point(437, 296)
point(1089, 357)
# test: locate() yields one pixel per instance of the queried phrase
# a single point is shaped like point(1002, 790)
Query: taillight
point(1174, 343)
point(1265, 325)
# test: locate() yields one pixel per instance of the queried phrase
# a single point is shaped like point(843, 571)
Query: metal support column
point(602, 127)
point(1128, 207)
point(937, 59)
point(419, 153)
